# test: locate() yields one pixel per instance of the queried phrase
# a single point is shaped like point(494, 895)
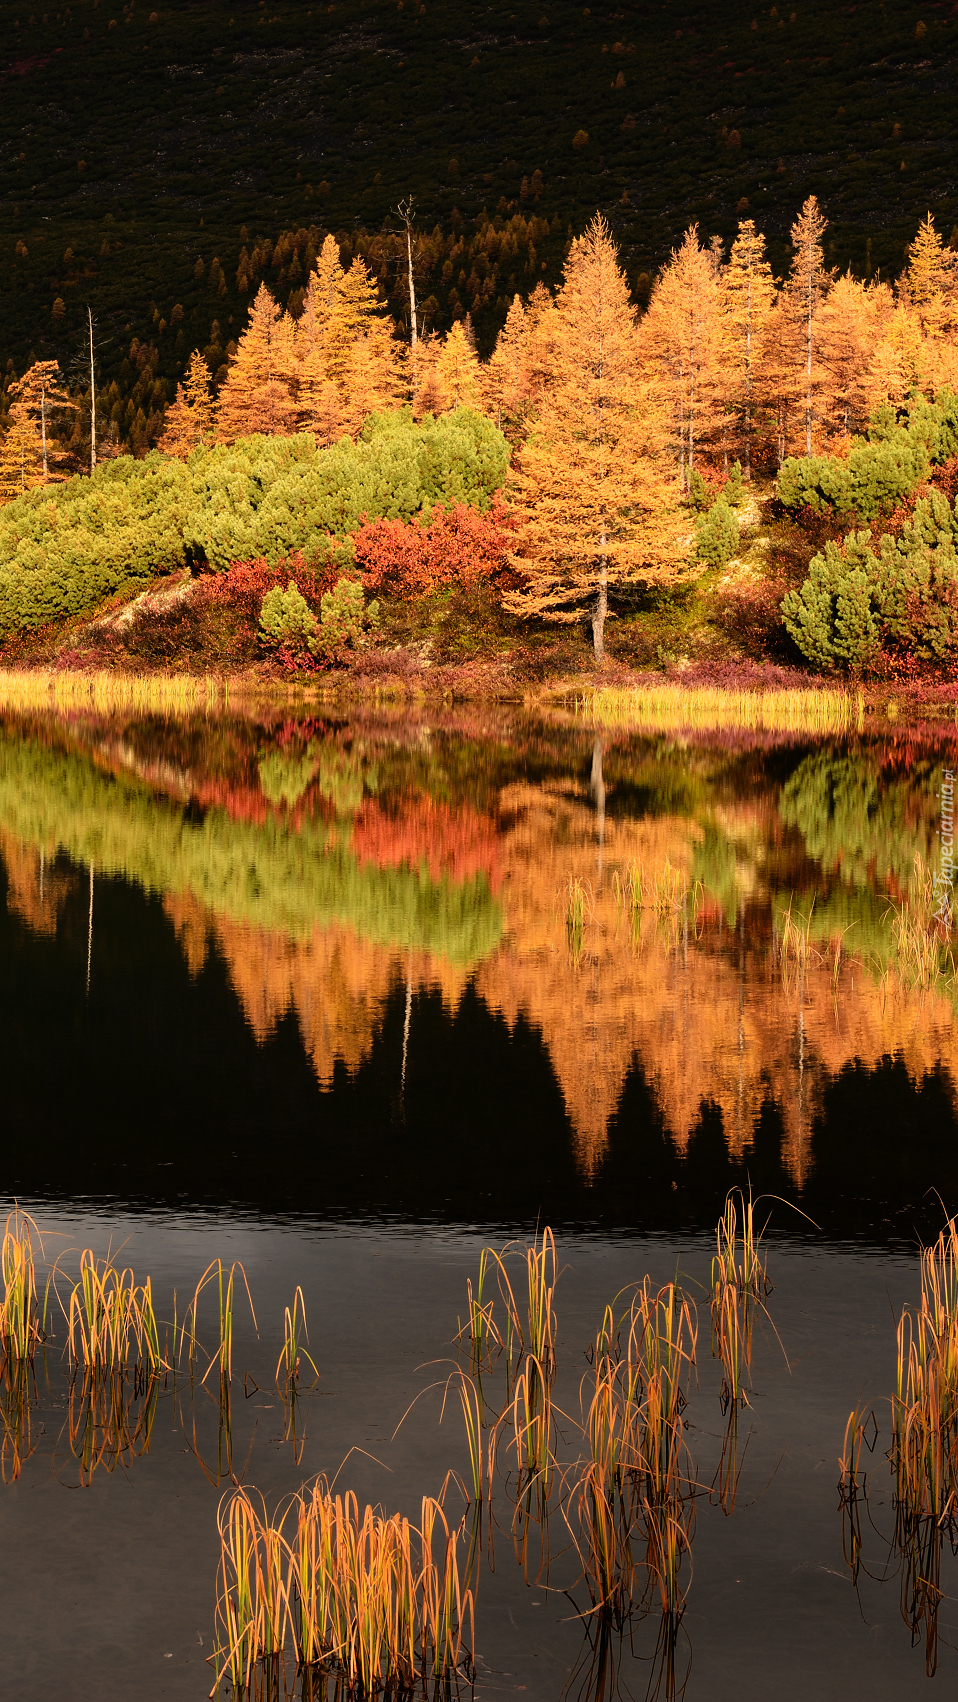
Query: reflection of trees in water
point(862, 817)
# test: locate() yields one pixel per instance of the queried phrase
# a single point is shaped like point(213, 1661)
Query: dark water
point(307, 994)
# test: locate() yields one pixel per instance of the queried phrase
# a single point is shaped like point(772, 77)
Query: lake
point(351, 998)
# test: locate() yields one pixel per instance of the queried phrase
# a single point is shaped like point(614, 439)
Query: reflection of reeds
point(861, 1431)
point(371, 1600)
point(17, 1400)
point(20, 1326)
point(110, 1418)
point(923, 952)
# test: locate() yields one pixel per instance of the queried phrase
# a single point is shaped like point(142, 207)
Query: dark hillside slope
point(136, 147)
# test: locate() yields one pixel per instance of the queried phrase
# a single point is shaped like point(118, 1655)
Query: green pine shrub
point(734, 485)
point(718, 534)
point(900, 600)
point(288, 626)
point(63, 550)
point(881, 471)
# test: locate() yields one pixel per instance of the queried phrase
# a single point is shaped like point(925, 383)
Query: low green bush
point(64, 549)
point(288, 625)
point(718, 534)
point(900, 598)
point(880, 472)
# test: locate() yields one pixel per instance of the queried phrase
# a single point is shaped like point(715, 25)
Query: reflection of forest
point(704, 1006)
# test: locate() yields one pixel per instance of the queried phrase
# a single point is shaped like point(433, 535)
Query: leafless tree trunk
point(92, 397)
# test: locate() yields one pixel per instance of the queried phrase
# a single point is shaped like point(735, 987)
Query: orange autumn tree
point(807, 288)
point(320, 398)
point(682, 342)
point(594, 496)
point(749, 296)
point(25, 447)
point(259, 392)
point(189, 421)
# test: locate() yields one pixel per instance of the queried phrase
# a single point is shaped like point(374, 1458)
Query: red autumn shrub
point(245, 583)
point(454, 548)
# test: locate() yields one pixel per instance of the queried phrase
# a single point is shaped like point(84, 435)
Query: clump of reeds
point(480, 1328)
point(925, 1435)
point(110, 1319)
point(794, 941)
point(632, 1498)
point(578, 909)
point(295, 1338)
point(367, 1598)
point(669, 708)
point(21, 1329)
point(226, 1287)
point(102, 690)
point(739, 1283)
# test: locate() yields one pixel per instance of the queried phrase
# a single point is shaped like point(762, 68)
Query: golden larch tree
point(361, 344)
point(259, 392)
point(749, 297)
point(682, 342)
point(458, 375)
point(594, 494)
point(189, 420)
point(808, 285)
point(320, 400)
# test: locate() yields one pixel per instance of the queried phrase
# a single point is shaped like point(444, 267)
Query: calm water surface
point(307, 993)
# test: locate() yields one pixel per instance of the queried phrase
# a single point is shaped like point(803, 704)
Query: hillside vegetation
point(157, 164)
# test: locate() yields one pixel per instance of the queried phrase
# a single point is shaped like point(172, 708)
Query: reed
point(20, 1326)
point(794, 941)
point(924, 1448)
point(578, 908)
point(670, 708)
point(110, 1319)
point(532, 1423)
point(226, 1285)
point(541, 1278)
point(294, 1336)
point(480, 1329)
point(369, 1598)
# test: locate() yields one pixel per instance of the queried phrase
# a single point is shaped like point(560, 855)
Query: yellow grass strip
point(104, 691)
point(669, 708)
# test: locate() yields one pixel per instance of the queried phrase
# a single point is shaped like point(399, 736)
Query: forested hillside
point(158, 164)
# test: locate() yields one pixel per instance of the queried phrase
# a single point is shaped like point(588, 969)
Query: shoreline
point(749, 697)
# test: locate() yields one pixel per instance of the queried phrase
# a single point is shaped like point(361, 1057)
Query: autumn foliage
point(454, 547)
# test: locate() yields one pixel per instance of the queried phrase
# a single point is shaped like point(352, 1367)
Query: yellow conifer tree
point(361, 346)
point(319, 398)
point(259, 392)
point(682, 342)
point(189, 421)
point(458, 374)
point(808, 285)
point(595, 496)
point(749, 296)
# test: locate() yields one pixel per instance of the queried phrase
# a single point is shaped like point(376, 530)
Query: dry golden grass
point(668, 708)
